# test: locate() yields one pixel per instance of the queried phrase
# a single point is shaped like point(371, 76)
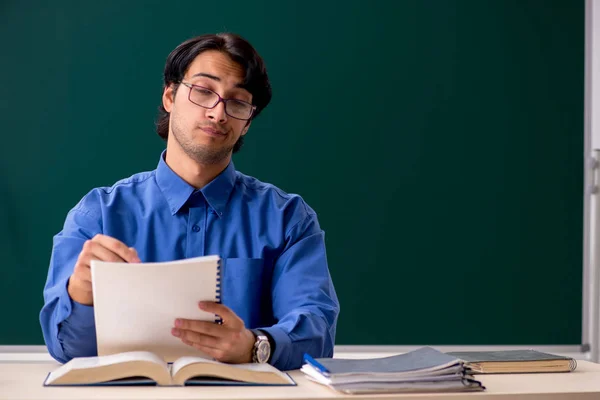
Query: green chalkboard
point(440, 142)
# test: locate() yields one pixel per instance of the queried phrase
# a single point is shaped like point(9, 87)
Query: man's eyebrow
point(216, 78)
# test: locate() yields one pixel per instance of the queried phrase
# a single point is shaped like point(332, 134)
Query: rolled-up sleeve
point(304, 300)
point(67, 326)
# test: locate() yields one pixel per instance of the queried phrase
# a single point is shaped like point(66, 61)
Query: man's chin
point(210, 154)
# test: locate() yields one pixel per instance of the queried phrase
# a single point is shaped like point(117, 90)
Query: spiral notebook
point(136, 304)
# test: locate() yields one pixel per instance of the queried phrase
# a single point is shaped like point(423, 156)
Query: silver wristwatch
point(262, 348)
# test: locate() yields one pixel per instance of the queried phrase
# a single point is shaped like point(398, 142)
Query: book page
point(101, 361)
point(256, 367)
point(185, 361)
point(135, 305)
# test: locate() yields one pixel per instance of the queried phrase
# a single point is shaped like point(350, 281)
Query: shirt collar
point(218, 190)
point(177, 191)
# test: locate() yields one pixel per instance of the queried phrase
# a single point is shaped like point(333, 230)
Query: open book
point(142, 367)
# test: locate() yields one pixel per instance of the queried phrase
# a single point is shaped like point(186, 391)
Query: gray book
point(419, 362)
point(514, 361)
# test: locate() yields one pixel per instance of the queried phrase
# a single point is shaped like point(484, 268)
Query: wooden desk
point(23, 380)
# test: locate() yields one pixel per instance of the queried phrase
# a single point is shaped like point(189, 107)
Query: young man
point(277, 292)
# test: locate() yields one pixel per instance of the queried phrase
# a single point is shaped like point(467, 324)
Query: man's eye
point(204, 92)
point(237, 105)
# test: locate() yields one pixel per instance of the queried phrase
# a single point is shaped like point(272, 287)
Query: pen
point(315, 364)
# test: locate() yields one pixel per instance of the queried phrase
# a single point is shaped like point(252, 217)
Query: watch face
point(263, 351)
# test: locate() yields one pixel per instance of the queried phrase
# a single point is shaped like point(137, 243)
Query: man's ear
point(167, 98)
point(246, 128)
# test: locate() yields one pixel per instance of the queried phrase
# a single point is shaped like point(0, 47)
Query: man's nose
point(217, 113)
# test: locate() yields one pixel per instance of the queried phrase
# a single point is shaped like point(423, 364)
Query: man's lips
point(212, 131)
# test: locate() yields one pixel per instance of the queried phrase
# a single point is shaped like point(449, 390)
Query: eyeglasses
point(207, 98)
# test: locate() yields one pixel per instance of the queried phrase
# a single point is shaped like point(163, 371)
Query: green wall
point(440, 142)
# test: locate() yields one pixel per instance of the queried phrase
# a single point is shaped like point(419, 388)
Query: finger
point(82, 278)
point(82, 272)
point(227, 315)
point(95, 251)
point(212, 352)
point(119, 248)
point(196, 338)
point(203, 327)
point(91, 251)
point(99, 252)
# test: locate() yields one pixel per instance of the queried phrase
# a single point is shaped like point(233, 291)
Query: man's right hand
point(102, 248)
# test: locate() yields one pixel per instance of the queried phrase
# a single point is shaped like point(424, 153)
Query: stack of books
point(422, 370)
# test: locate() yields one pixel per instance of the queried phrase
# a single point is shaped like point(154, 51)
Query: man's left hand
point(230, 342)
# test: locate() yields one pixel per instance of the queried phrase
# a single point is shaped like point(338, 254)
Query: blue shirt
point(275, 277)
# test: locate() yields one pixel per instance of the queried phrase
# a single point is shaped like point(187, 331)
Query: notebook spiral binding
point(218, 319)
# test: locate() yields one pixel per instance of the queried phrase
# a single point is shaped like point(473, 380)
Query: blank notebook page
point(135, 305)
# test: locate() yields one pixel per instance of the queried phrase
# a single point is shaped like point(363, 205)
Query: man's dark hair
point(239, 50)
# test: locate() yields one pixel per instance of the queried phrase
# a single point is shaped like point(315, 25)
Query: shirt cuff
point(281, 355)
point(82, 313)
point(75, 312)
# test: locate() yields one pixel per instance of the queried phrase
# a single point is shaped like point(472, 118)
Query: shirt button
point(196, 228)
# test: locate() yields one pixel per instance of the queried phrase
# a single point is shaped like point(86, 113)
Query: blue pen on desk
point(315, 364)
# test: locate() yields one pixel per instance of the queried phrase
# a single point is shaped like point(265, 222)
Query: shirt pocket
point(246, 289)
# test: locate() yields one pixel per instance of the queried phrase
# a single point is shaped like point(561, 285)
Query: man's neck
point(195, 174)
